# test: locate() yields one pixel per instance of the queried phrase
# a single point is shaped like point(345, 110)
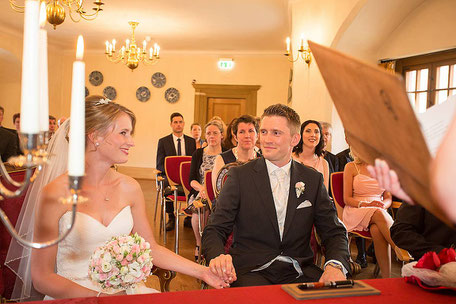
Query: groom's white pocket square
point(304, 204)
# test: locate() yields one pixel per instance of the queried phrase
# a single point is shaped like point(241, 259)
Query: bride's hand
point(213, 280)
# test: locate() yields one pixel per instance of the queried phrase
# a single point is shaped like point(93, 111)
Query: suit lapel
point(292, 199)
point(261, 180)
point(171, 145)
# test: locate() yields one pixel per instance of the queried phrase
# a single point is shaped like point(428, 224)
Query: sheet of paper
point(435, 122)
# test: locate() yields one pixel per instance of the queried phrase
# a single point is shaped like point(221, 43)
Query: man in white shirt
point(176, 143)
point(271, 205)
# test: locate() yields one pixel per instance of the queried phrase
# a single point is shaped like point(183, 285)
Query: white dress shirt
point(182, 144)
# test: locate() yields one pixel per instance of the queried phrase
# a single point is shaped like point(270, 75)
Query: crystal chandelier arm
point(39, 245)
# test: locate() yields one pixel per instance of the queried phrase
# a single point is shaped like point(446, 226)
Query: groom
point(271, 205)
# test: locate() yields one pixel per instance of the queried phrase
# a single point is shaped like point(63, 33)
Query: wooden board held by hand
point(379, 121)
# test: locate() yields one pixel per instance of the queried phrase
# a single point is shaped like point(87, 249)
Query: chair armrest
point(164, 276)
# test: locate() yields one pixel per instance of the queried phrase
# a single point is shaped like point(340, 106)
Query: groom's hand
point(222, 266)
point(332, 274)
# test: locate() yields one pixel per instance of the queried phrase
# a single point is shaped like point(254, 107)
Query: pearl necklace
point(235, 152)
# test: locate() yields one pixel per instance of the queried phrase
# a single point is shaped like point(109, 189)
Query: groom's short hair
point(294, 122)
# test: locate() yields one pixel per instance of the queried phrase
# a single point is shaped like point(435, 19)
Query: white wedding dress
point(73, 253)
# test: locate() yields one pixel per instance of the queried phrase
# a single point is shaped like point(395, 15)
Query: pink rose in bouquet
point(121, 263)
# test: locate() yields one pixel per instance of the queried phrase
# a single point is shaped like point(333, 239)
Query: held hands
point(332, 273)
point(213, 279)
point(388, 180)
point(222, 266)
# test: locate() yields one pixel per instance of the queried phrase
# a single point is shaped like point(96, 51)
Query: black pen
point(331, 284)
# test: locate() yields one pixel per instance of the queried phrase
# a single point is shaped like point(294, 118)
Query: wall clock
point(172, 95)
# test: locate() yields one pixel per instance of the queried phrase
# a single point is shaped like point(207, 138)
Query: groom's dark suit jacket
point(246, 207)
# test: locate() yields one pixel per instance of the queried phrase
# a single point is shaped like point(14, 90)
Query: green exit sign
point(225, 63)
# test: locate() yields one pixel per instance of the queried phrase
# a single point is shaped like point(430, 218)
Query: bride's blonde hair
point(100, 113)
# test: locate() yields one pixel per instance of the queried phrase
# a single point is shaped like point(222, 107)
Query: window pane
point(421, 102)
point(442, 76)
point(452, 78)
point(441, 96)
point(423, 79)
point(411, 97)
point(410, 81)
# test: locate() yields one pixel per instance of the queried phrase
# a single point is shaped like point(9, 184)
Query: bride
point(115, 206)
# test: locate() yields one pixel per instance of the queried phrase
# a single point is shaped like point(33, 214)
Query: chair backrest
point(185, 176)
point(172, 168)
point(222, 176)
point(337, 189)
point(209, 187)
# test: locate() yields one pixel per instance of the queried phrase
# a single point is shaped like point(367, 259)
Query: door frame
point(205, 91)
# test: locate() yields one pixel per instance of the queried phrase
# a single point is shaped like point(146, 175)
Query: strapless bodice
point(74, 251)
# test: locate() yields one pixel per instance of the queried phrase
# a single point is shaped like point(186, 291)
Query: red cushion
point(12, 208)
point(180, 198)
point(185, 175)
point(337, 188)
point(362, 233)
point(209, 187)
point(172, 167)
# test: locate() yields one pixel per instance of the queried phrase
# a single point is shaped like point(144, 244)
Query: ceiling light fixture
point(55, 10)
point(130, 54)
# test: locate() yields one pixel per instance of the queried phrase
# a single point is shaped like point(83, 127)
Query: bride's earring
point(96, 145)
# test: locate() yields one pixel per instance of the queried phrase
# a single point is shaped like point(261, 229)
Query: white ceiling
point(177, 25)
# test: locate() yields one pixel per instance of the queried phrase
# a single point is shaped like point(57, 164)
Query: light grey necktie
point(280, 198)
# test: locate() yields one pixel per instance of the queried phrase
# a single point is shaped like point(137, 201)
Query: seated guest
point(271, 204)
point(309, 150)
point(8, 144)
point(203, 161)
point(52, 125)
point(173, 144)
point(333, 161)
point(229, 140)
point(195, 129)
point(415, 229)
point(245, 130)
point(365, 209)
point(17, 127)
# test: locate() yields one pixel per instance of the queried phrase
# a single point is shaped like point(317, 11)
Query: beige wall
point(318, 21)
point(10, 75)
point(269, 71)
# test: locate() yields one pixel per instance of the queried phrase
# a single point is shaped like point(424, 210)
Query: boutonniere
point(300, 187)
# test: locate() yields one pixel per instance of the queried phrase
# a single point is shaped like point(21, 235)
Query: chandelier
point(131, 54)
point(55, 10)
point(303, 52)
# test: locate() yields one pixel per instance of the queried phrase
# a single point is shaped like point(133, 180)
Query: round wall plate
point(110, 93)
point(172, 95)
point(158, 80)
point(143, 94)
point(96, 78)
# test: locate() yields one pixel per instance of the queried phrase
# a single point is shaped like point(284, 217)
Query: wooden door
point(226, 108)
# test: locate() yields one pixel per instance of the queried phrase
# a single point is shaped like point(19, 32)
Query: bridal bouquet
point(121, 263)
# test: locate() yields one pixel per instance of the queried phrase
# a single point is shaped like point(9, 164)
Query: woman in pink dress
point(309, 150)
point(365, 209)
